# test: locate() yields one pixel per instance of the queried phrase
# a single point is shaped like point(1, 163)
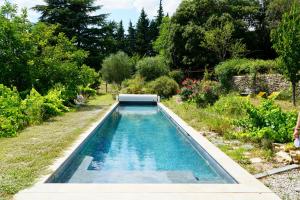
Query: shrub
point(209, 92)
point(189, 89)
point(231, 105)
point(134, 86)
point(116, 68)
point(268, 122)
point(32, 107)
point(152, 67)
point(177, 75)
point(53, 104)
point(229, 68)
point(164, 87)
point(11, 117)
point(87, 91)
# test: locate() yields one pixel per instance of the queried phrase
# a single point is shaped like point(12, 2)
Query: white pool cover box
point(138, 98)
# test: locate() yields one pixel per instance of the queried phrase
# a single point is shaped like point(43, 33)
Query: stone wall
point(263, 82)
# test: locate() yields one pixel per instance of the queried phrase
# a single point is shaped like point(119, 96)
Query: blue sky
point(125, 10)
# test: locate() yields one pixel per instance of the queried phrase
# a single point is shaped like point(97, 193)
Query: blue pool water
point(140, 144)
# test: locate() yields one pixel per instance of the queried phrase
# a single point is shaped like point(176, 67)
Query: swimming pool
point(140, 143)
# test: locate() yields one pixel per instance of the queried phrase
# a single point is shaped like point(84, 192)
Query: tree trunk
point(106, 87)
point(294, 93)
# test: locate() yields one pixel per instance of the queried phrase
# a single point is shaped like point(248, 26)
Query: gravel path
point(284, 184)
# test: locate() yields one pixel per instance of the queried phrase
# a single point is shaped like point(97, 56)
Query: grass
point(26, 157)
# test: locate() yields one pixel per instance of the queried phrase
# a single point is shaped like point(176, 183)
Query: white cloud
point(150, 6)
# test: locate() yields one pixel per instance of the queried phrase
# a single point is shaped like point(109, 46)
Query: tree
point(286, 39)
point(116, 68)
point(131, 40)
point(189, 27)
point(16, 48)
point(218, 38)
point(75, 19)
point(120, 37)
point(58, 61)
point(142, 35)
point(162, 44)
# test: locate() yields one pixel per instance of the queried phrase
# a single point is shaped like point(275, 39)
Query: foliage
point(269, 122)
point(231, 105)
point(16, 113)
point(16, 47)
point(189, 89)
point(229, 68)
point(218, 37)
point(87, 91)
point(53, 103)
point(162, 44)
point(116, 68)
point(286, 39)
point(190, 28)
point(177, 75)
point(11, 117)
point(164, 87)
point(32, 106)
point(134, 86)
point(130, 40)
point(143, 47)
point(91, 31)
point(208, 93)
point(152, 67)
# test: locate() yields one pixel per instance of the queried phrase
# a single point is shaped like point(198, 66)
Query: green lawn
point(26, 157)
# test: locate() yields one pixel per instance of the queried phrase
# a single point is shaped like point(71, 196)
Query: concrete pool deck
point(248, 187)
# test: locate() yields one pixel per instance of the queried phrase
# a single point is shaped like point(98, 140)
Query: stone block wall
point(263, 82)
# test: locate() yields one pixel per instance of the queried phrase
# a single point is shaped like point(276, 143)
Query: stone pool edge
point(248, 186)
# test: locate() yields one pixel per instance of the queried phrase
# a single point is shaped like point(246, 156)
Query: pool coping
point(248, 186)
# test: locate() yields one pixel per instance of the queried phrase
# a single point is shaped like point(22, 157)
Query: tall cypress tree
point(121, 37)
point(130, 40)
point(160, 15)
point(143, 41)
point(76, 21)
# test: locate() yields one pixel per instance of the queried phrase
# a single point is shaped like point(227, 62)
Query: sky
point(124, 10)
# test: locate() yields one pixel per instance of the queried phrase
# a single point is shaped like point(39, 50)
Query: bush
point(231, 105)
point(164, 87)
point(233, 67)
point(190, 88)
point(152, 67)
point(53, 104)
point(209, 92)
point(134, 86)
point(177, 75)
point(87, 91)
point(32, 107)
point(268, 122)
point(11, 117)
point(116, 68)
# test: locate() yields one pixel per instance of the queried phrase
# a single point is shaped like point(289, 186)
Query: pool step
point(133, 177)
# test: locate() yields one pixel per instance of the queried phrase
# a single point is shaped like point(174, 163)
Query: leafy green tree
point(152, 67)
point(142, 35)
point(75, 19)
point(218, 38)
point(286, 39)
point(275, 10)
point(162, 44)
point(131, 40)
point(116, 68)
point(188, 28)
point(58, 61)
point(16, 47)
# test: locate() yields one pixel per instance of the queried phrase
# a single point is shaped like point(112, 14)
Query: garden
point(229, 69)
